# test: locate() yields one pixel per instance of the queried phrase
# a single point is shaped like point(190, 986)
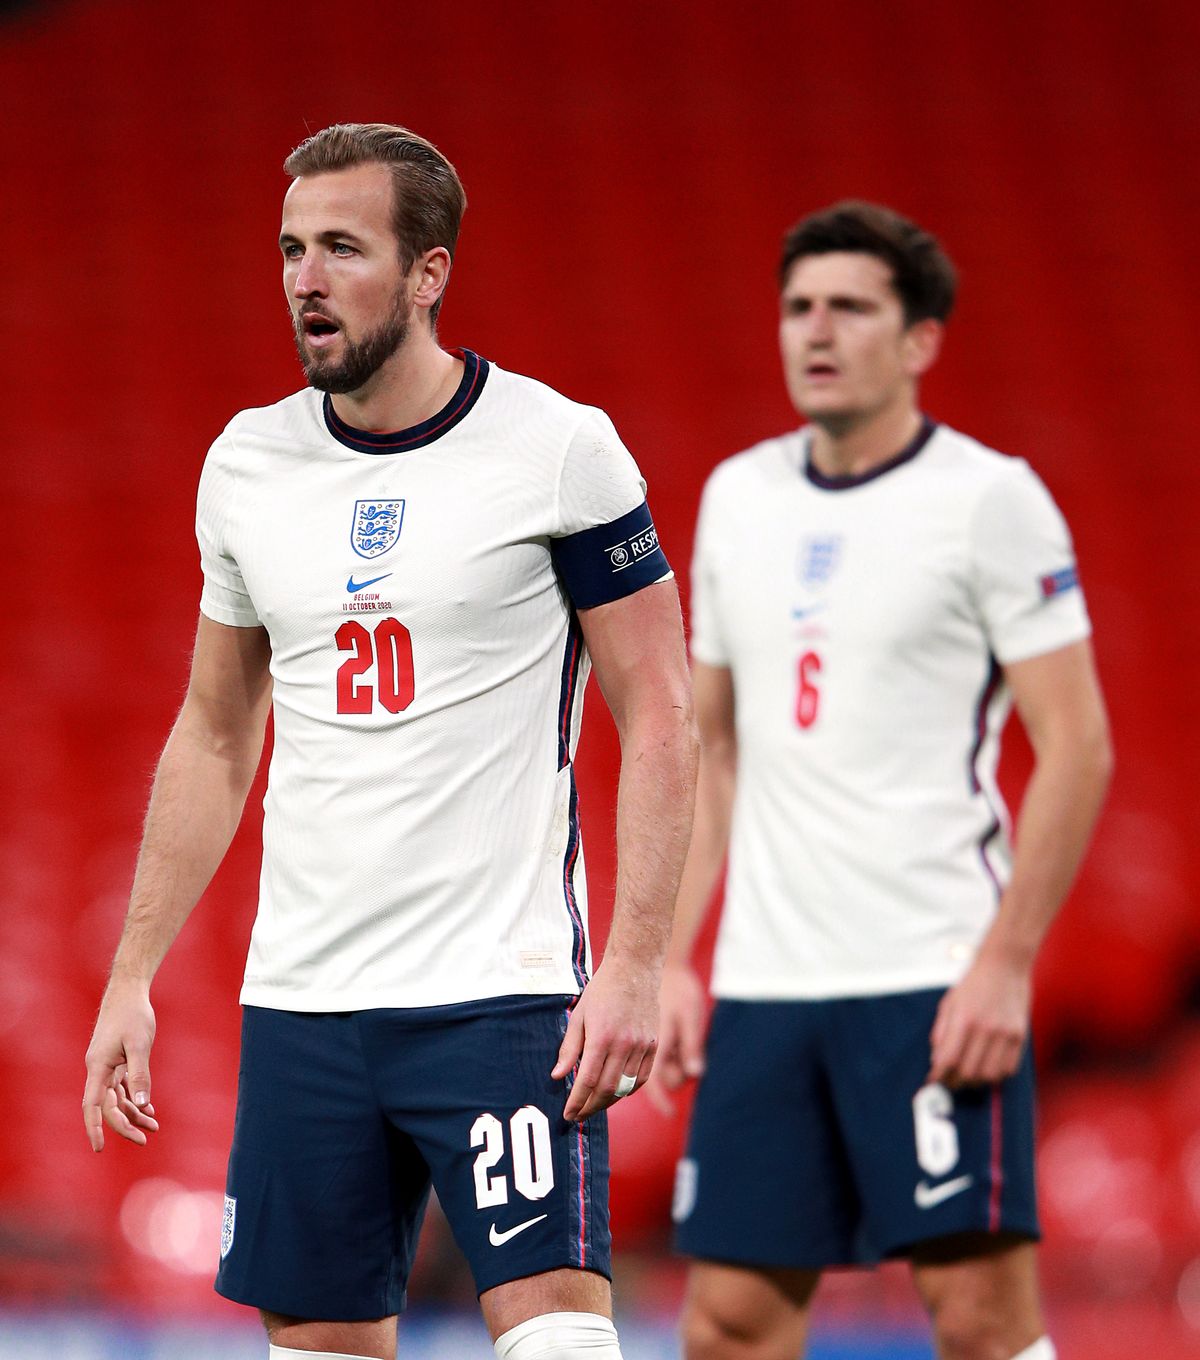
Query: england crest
point(227, 1225)
point(819, 559)
point(376, 527)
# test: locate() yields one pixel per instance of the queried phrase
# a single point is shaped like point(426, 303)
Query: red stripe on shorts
point(582, 1204)
point(997, 1169)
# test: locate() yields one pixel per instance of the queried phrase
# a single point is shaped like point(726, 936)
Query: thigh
point(323, 1197)
point(930, 1162)
point(524, 1191)
point(765, 1181)
point(554, 1291)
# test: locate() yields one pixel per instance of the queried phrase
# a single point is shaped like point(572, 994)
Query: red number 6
point(808, 696)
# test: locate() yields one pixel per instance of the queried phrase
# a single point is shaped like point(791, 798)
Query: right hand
point(117, 1092)
point(682, 1008)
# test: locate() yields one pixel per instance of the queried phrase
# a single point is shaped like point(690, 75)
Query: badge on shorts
point(687, 1173)
point(227, 1225)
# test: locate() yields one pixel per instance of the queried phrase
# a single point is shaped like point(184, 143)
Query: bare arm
point(200, 788)
point(636, 646)
point(983, 1022)
point(682, 1004)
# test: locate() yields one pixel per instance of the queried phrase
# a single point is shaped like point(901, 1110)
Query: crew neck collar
point(475, 373)
point(851, 479)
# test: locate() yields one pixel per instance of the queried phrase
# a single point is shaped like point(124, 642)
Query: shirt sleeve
point(1025, 578)
point(605, 545)
point(707, 638)
point(224, 598)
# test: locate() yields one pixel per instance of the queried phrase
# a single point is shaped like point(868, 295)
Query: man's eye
point(291, 252)
point(341, 248)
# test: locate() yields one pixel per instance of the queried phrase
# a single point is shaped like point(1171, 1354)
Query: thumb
point(137, 1076)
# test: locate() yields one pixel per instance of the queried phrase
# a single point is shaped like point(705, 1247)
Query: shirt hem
point(860, 984)
point(312, 1000)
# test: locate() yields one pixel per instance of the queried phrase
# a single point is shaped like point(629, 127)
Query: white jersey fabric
point(421, 842)
point(865, 621)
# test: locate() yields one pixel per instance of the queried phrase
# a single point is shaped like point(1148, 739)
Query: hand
point(610, 1033)
point(117, 1092)
point(681, 1016)
point(981, 1025)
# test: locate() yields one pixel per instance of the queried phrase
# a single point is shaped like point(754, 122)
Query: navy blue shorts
point(815, 1141)
point(343, 1123)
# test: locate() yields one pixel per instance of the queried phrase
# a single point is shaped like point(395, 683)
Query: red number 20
point(389, 649)
point(808, 696)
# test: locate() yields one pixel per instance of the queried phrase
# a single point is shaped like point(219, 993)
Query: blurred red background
point(631, 169)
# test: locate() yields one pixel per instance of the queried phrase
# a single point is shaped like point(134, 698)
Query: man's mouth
point(318, 329)
point(820, 369)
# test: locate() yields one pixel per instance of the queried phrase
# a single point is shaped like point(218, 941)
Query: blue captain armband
point(610, 561)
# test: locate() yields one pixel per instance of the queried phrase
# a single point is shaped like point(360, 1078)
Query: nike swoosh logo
point(498, 1239)
point(926, 1195)
point(353, 586)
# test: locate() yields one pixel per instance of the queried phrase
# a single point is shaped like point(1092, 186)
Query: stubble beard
point(361, 359)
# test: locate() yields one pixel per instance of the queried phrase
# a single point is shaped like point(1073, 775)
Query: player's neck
point(414, 384)
point(854, 448)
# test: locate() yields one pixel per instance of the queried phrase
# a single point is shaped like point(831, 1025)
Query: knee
point(560, 1336)
point(715, 1332)
point(967, 1331)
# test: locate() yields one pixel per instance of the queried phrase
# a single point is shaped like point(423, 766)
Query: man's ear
point(431, 273)
point(922, 345)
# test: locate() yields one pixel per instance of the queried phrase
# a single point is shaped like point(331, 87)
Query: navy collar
point(849, 480)
point(475, 372)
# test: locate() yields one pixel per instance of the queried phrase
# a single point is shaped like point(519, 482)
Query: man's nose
point(310, 278)
point(820, 325)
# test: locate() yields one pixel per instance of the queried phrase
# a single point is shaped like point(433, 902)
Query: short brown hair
point(428, 200)
point(923, 276)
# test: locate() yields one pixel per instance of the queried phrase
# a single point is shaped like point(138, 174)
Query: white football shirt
point(865, 621)
point(421, 843)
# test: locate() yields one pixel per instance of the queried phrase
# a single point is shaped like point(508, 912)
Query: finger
point(571, 1048)
point(142, 1119)
point(692, 1041)
point(658, 1093)
point(117, 1121)
point(580, 1103)
point(93, 1097)
point(668, 1070)
point(604, 1093)
point(972, 1065)
point(941, 1022)
point(1003, 1058)
point(945, 1055)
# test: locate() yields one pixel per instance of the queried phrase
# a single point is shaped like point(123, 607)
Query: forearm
point(655, 799)
point(1060, 807)
point(196, 803)
point(715, 786)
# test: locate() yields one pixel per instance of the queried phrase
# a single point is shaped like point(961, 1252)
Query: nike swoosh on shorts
point(926, 1196)
point(498, 1239)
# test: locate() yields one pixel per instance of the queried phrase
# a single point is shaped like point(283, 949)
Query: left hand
point(981, 1025)
point(612, 1032)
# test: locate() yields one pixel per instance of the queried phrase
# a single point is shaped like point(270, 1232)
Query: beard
point(361, 359)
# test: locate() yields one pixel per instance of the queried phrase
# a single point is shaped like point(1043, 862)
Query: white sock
point(1042, 1349)
point(561, 1336)
point(286, 1353)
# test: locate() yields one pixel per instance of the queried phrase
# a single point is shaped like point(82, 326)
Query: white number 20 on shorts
point(532, 1158)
